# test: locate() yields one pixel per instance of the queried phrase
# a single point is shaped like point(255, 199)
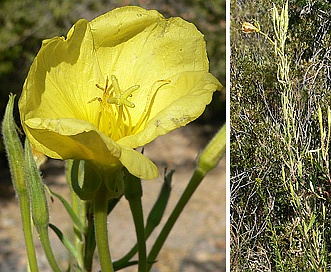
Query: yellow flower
point(248, 28)
point(115, 84)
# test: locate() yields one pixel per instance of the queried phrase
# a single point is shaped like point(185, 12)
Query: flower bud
point(248, 28)
point(213, 152)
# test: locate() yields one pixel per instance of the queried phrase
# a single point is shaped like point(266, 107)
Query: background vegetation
point(280, 135)
point(25, 23)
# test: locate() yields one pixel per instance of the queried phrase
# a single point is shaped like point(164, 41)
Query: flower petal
point(138, 164)
point(62, 77)
point(77, 139)
point(119, 25)
point(141, 47)
point(175, 105)
point(71, 139)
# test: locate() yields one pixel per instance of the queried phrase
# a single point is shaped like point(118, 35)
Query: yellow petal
point(77, 139)
point(141, 47)
point(138, 164)
point(121, 24)
point(71, 139)
point(61, 77)
point(175, 105)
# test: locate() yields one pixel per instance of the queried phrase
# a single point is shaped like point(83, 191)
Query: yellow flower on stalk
point(249, 28)
point(115, 84)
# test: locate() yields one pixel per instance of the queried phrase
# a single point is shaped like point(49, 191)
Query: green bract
point(114, 84)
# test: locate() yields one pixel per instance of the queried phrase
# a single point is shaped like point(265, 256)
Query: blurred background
point(23, 26)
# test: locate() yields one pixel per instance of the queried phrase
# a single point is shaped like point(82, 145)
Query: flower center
point(114, 104)
point(114, 118)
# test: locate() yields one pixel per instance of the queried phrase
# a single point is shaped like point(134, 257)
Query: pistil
point(116, 103)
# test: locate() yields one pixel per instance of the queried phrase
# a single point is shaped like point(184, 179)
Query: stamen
point(116, 103)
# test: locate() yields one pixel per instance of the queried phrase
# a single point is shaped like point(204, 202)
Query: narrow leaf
point(64, 241)
point(156, 213)
point(71, 212)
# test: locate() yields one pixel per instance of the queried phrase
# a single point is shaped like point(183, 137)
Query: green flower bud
point(211, 155)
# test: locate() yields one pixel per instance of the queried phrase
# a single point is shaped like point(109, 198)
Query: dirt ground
point(197, 241)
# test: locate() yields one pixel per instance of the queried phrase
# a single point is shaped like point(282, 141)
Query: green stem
point(27, 229)
point(272, 42)
point(133, 193)
point(90, 244)
point(44, 239)
point(153, 220)
point(190, 189)
point(101, 234)
point(136, 210)
point(79, 208)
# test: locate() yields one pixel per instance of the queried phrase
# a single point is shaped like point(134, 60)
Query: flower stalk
point(133, 193)
point(280, 22)
point(198, 175)
point(101, 232)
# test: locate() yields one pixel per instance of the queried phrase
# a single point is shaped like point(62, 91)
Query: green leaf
point(64, 241)
point(156, 213)
point(71, 212)
point(312, 221)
